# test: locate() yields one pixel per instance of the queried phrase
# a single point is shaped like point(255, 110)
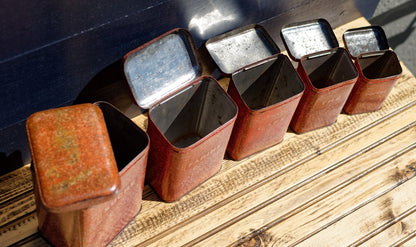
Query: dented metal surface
point(189, 127)
point(267, 94)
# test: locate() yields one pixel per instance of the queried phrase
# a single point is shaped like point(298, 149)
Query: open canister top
point(365, 39)
point(161, 67)
point(307, 37)
point(72, 156)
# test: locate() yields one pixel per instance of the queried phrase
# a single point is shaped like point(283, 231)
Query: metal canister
point(326, 69)
point(85, 190)
point(378, 67)
point(267, 94)
point(190, 117)
point(240, 47)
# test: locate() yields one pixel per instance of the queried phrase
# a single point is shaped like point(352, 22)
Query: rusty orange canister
point(190, 116)
point(326, 69)
point(379, 68)
point(85, 193)
point(267, 94)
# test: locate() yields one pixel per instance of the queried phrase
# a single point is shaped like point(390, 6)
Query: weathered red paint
point(265, 125)
point(56, 137)
point(321, 105)
point(370, 91)
point(174, 171)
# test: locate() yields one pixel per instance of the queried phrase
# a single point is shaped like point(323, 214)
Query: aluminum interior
point(193, 113)
point(127, 139)
point(268, 83)
point(365, 39)
point(329, 68)
point(380, 64)
point(241, 47)
point(308, 37)
point(161, 68)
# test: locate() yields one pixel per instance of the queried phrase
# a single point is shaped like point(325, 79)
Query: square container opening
point(268, 83)
point(379, 65)
point(329, 68)
point(127, 139)
point(193, 113)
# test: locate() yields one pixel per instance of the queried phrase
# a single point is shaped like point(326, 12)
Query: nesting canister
point(326, 69)
point(85, 190)
point(190, 117)
point(267, 94)
point(240, 47)
point(379, 68)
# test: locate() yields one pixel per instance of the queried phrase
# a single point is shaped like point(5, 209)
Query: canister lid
point(304, 38)
point(241, 47)
point(161, 67)
point(73, 159)
point(365, 39)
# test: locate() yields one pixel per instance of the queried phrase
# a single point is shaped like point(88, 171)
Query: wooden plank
point(408, 241)
point(15, 183)
point(300, 176)
point(384, 211)
point(292, 217)
point(401, 230)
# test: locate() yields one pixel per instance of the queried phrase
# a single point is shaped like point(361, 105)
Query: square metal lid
point(161, 67)
point(241, 47)
point(304, 38)
point(73, 158)
point(365, 39)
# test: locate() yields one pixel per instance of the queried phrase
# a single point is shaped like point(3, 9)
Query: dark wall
point(51, 51)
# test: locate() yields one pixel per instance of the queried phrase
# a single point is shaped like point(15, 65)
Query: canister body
point(267, 94)
point(329, 78)
point(378, 72)
point(189, 133)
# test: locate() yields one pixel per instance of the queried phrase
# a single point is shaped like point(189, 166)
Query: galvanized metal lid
point(161, 67)
point(365, 39)
point(73, 159)
point(304, 38)
point(241, 47)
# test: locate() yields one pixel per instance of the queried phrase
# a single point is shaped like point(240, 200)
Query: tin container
point(241, 47)
point(326, 69)
point(190, 117)
point(85, 190)
point(267, 94)
point(378, 67)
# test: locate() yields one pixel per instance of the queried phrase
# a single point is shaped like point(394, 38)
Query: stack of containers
point(190, 117)
point(264, 85)
point(378, 67)
point(89, 163)
point(326, 70)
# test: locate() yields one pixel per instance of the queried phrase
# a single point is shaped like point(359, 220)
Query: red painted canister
point(85, 190)
point(267, 94)
point(378, 67)
point(190, 116)
point(326, 69)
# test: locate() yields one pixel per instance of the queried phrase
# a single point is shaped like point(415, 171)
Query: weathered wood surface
point(352, 183)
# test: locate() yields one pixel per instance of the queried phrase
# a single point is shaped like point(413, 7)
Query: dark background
point(56, 53)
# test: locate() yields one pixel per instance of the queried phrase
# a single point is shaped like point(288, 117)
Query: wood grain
point(302, 191)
